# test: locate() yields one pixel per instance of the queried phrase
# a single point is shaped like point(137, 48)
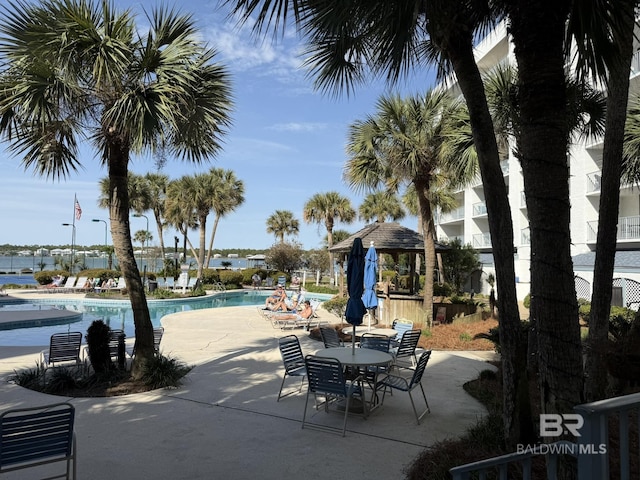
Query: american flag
point(78, 210)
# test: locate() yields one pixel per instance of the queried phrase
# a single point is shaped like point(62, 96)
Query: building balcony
point(452, 216)
point(479, 209)
point(594, 182)
point(525, 236)
point(482, 240)
point(628, 230)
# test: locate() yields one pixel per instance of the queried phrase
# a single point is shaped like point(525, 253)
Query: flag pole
point(73, 233)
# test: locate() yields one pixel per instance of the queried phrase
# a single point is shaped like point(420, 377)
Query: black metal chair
point(30, 437)
point(406, 384)
point(326, 379)
point(293, 360)
point(330, 337)
point(407, 347)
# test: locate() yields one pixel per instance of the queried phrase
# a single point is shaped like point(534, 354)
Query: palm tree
point(407, 142)
point(156, 186)
point(325, 208)
point(178, 209)
point(228, 194)
point(77, 67)
point(282, 223)
point(379, 206)
point(352, 41)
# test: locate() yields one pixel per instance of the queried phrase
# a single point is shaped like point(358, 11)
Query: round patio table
point(357, 357)
point(387, 332)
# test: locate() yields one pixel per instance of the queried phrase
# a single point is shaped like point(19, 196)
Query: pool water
point(117, 314)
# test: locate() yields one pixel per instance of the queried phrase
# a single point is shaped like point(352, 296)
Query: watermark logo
point(556, 424)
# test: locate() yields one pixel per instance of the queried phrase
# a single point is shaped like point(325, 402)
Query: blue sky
point(287, 142)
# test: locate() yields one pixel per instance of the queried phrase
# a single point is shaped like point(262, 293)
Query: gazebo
point(393, 239)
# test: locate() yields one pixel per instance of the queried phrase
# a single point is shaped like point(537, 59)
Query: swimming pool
point(117, 314)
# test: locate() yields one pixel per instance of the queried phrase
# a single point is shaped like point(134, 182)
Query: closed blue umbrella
point(355, 278)
point(369, 298)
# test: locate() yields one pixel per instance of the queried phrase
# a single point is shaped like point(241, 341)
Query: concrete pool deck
point(225, 422)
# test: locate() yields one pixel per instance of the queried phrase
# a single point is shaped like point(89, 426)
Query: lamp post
point(105, 239)
point(73, 244)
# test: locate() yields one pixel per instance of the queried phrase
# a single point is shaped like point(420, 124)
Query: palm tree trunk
point(121, 233)
point(158, 216)
point(203, 241)
point(518, 424)
point(213, 236)
point(538, 30)
point(617, 98)
point(426, 216)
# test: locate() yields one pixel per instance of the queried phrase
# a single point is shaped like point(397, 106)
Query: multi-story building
point(469, 221)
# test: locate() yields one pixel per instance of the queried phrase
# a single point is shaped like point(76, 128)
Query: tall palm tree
point(282, 223)
point(351, 41)
point(407, 142)
point(228, 194)
point(179, 211)
point(380, 206)
point(326, 208)
point(156, 186)
point(78, 67)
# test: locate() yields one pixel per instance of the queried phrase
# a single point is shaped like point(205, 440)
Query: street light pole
point(105, 239)
point(73, 244)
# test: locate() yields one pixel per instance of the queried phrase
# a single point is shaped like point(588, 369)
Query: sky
point(286, 143)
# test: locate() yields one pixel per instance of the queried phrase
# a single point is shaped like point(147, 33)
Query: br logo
point(555, 424)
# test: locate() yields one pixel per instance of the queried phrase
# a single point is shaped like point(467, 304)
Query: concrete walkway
point(224, 422)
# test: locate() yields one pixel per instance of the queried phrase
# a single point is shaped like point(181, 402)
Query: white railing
point(479, 209)
point(451, 216)
point(525, 236)
point(592, 448)
point(594, 182)
point(523, 460)
point(635, 64)
point(482, 240)
point(628, 229)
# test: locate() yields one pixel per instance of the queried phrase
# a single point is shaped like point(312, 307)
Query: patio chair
point(63, 347)
point(326, 379)
point(330, 337)
point(79, 286)
point(406, 384)
point(157, 338)
point(407, 347)
point(293, 361)
point(400, 325)
point(374, 342)
point(30, 437)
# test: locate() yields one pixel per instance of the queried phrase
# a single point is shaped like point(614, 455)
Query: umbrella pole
point(353, 341)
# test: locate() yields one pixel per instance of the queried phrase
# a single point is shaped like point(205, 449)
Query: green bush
point(313, 288)
point(527, 301)
point(441, 290)
point(337, 305)
point(230, 277)
point(247, 273)
point(210, 276)
point(46, 276)
point(98, 335)
point(164, 372)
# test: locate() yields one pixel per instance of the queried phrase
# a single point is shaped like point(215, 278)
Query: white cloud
point(298, 127)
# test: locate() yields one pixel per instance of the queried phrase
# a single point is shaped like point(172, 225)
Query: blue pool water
point(117, 314)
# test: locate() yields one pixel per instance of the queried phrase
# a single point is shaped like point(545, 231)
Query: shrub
point(442, 290)
point(62, 379)
point(210, 276)
point(247, 273)
point(164, 372)
point(98, 335)
point(337, 305)
point(231, 277)
point(527, 301)
point(312, 288)
point(32, 378)
point(46, 276)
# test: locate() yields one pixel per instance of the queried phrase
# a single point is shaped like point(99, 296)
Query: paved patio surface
point(224, 422)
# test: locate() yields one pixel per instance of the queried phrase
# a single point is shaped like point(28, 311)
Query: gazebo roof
point(387, 237)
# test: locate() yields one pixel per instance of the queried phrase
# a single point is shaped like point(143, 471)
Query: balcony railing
point(628, 229)
point(592, 447)
point(452, 216)
point(594, 182)
point(479, 209)
point(525, 236)
point(481, 240)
